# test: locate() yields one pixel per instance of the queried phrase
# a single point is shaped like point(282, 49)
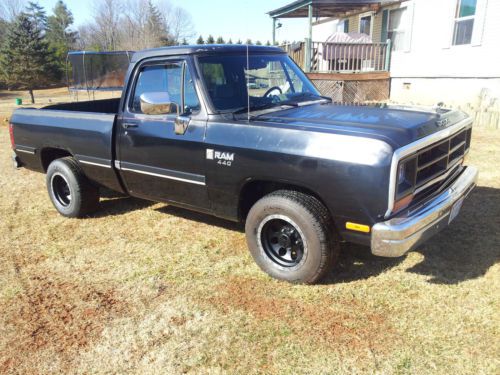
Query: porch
point(332, 57)
point(348, 71)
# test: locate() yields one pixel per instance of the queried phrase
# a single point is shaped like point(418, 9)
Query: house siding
point(432, 70)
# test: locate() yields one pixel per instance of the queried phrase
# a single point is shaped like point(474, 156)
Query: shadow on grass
point(463, 251)
point(119, 205)
point(356, 262)
point(470, 246)
point(202, 218)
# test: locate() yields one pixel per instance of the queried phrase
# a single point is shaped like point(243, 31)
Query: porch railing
point(326, 57)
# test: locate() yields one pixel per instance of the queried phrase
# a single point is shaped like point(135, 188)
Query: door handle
point(128, 125)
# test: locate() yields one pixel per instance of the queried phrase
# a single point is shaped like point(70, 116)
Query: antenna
point(248, 82)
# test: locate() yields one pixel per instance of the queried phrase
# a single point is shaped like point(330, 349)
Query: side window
point(164, 80)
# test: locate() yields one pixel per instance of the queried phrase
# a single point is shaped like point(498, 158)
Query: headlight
point(405, 185)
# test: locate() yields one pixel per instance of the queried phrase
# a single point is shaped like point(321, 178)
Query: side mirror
point(157, 103)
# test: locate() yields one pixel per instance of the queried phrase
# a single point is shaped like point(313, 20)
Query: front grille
point(433, 164)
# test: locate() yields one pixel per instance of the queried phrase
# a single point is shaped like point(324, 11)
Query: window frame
point(457, 19)
point(405, 30)
point(365, 15)
point(128, 107)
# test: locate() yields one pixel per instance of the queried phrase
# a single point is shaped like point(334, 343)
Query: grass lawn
point(144, 287)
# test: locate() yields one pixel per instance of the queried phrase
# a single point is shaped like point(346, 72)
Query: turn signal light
point(357, 227)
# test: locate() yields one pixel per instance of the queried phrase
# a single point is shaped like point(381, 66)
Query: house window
point(343, 26)
point(396, 29)
point(365, 25)
point(464, 22)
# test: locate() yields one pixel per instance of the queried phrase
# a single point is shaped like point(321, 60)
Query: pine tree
point(37, 16)
point(61, 40)
point(25, 60)
point(268, 43)
point(239, 41)
point(258, 43)
point(200, 40)
point(210, 39)
point(220, 40)
point(249, 41)
point(184, 42)
point(154, 31)
point(230, 41)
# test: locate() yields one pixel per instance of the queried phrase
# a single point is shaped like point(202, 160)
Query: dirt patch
point(346, 323)
point(56, 315)
point(178, 320)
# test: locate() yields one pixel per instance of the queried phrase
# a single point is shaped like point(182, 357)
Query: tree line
point(220, 40)
point(34, 45)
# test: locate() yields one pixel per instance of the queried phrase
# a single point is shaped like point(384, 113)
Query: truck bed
point(82, 129)
point(95, 106)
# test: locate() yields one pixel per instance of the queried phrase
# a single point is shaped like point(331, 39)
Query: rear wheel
point(71, 193)
point(291, 237)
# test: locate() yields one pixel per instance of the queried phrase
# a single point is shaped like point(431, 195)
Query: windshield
point(269, 80)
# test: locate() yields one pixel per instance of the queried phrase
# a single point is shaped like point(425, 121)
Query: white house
point(442, 50)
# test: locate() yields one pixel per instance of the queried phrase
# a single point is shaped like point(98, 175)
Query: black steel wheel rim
point(282, 242)
point(61, 190)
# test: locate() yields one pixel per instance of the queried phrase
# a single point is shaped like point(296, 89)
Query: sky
point(235, 19)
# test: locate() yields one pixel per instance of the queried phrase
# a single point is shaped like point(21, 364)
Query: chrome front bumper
point(395, 237)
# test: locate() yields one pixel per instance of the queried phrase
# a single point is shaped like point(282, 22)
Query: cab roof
point(203, 49)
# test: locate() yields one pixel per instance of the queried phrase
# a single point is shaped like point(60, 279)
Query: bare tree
point(134, 25)
point(179, 23)
point(10, 9)
point(106, 26)
point(143, 26)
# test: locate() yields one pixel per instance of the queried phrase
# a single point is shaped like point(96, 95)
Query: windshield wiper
point(253, 108)
point(309, 98)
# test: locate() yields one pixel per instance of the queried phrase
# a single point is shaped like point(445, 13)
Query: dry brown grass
point(143, 287)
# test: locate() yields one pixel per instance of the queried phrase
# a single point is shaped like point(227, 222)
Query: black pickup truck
point(241, 133)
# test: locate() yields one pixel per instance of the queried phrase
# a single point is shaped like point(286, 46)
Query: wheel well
point(48, 155)
point(254, 190)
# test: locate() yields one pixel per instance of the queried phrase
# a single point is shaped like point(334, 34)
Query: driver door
point(156, 162)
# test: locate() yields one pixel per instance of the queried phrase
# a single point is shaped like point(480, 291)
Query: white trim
point(163, 176)
point(363, 15)
point(479, 22)
point(26, 151)
point(96, 164)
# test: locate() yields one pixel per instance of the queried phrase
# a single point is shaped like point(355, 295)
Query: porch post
point(274, 31)
point(310, 15)
point(388, 55)
point(309, 40)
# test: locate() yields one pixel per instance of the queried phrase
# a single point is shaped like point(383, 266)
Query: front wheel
point(71, 193)
point(291, 237)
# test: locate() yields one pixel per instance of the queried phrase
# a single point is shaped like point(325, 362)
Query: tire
point(71, 193)
point(291, 237)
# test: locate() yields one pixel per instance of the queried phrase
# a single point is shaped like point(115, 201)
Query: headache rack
point(420, 173)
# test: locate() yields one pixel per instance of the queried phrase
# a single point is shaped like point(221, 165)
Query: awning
point(328, 8)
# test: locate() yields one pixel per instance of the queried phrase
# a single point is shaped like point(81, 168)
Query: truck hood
point(396, 125)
